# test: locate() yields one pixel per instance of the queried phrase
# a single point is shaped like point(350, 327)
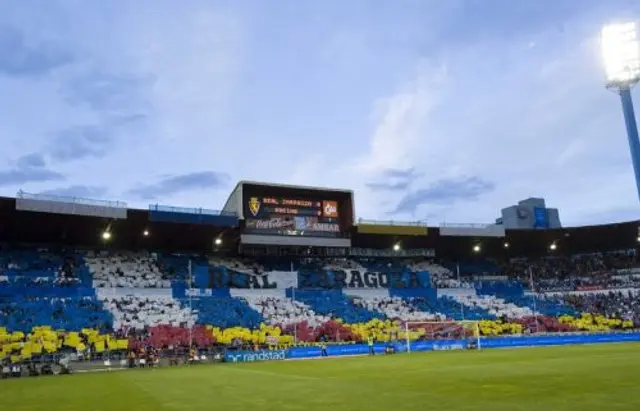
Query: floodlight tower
point(621, 53)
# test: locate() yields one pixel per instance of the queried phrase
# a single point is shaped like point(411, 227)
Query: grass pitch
point(597, 377)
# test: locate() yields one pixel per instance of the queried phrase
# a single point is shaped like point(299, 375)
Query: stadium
point(183, 308)
point(283, 298)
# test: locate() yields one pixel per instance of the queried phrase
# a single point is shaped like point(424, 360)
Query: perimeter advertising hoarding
point(254, 356)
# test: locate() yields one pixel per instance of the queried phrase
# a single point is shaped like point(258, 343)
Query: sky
point(443, 111)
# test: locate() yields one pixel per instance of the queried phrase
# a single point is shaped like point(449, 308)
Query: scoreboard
point(279, 215)
point(291, 216)
point(264, 207)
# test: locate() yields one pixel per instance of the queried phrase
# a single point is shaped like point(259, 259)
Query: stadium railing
point(74, 200)
point(186, 210)
point(363, 221)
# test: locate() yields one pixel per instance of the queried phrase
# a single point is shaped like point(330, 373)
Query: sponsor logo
point(332, 228)
point(245, 356)
point(330, 209)
point(254, 205)
point(295, 223)
point(272, 223)
point(312, 224)
point(448, 347)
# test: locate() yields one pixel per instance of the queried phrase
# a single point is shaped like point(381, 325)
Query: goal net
point(442, 335)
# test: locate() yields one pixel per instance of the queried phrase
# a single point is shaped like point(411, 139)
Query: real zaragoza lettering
point(357, 279)
point(332, 279)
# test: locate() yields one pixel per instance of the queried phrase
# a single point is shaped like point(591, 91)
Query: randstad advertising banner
point(255, 356)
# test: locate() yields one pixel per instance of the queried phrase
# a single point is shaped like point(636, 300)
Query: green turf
point(597, 377)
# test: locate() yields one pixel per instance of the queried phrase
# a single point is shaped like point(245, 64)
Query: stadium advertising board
point(255, 356)
point(288, 223)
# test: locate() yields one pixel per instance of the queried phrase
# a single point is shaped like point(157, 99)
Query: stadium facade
point(268, 219)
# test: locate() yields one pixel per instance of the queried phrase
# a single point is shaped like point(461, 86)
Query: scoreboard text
point(265, 207)
point(292, 216)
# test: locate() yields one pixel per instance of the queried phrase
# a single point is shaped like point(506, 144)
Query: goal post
point(465, 331)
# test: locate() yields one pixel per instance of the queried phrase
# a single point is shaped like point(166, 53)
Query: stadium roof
point(288, 186)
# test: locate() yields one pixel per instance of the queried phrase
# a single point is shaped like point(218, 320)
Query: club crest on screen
point(254, 205)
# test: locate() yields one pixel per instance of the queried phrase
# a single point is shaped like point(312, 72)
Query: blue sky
point(442, 110)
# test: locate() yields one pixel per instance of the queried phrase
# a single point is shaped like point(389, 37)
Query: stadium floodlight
point(621, 55)
point(396, 247)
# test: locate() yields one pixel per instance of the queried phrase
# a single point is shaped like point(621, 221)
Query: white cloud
point(533, 124)
point(263, 96)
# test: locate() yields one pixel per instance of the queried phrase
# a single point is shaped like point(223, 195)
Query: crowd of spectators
point(138, 312)
point(126, 270)
point(285, 311)
point(135, 295)
point(615, 304)
point(576, 273)
point(397, 308)
point(561, 267)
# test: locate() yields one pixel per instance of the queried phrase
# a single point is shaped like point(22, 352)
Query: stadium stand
point(495, 306)
point(138, 312)
point(396, 308)
point(335, 304)
point(127, 270)
point(284, 311)
point(55, 300)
